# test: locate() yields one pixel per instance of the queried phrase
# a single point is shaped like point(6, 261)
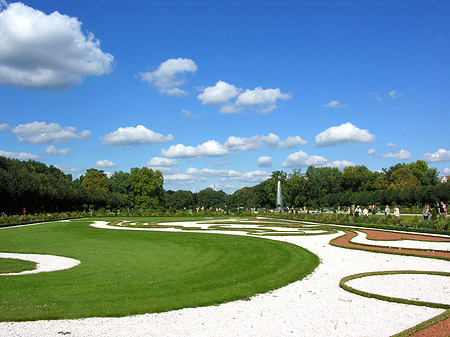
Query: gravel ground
point(429, 245)
point(44, 263)
point(315, 306)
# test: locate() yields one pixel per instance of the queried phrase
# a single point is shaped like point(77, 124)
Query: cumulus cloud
point(265, 98)
point(264, 161)
point(105, 163)
point(439, 155)
point(138, 135)
point(161, 162)
point(168, 77)
point(220, 93)
point(51, 149)
point(41, 133)
point(340, 164)
point(401, 155)
point(371, 151)
point(46, 52)
point(392, 145)
point(234, 143)
point(19, 155)
point(210, 148)
point(335, 105)
point(261, 96)
point(302, 159)
point(445, 171)
point(395, 94)
point(343, 134)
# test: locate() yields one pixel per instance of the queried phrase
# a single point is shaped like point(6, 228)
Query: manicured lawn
point(15, 266)
point(127, 272)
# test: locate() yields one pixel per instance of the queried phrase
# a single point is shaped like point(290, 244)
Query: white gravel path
point(429, 245)
point(419, 287)
point(315, 306)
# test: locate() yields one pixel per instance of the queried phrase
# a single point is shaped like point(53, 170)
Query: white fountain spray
point(279, 197)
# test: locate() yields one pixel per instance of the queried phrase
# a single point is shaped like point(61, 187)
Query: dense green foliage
point(38, 188)
point(129, 272)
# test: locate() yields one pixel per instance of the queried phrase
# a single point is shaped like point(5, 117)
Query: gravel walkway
point(315, 306)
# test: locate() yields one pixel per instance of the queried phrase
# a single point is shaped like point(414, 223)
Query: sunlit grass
point(128, 272)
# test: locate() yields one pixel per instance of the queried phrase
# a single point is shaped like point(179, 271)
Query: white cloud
point(138, 135)
point(292, 142)
point(249, 177)
point(439, 155)
point(302, 159)
point(4, 127)
point(19, 155)
point(371, 151)
point(230, 108)
point(41, 133)
point(392, 145)
point(206, 172)
point(105, 163)
point(51, 149)
point(234, 143)
point(264, 161)
point(68, 169)
point(220, 93)
point(161, 162)
point(445, 171)
point(210, 148)
point(335, 105)
point(167, 77)
point(261, 96)
point(39, 51)
point(395, 94)
point(401, 155)
point(343, 134)
point(340, 164)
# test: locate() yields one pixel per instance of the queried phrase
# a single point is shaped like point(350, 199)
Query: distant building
point(444, 179)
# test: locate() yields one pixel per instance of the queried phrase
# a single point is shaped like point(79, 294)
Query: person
point(387, 211)
point(397, 212)
point(442, 211)
point(426, 213)
point(358, 211)
point(365, 212)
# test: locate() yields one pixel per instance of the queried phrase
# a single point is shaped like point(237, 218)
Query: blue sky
point(222, 93)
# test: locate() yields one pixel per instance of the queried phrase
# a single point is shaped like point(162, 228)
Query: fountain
point(279, 197)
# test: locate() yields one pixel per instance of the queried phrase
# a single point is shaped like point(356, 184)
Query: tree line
point(36, 187)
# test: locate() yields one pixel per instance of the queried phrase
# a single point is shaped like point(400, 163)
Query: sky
point(222, 93)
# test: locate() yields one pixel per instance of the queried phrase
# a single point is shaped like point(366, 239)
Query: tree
point(210, 198)
point(147, 187)
point(179, 199)
point(355, 178)
point(96, 180)
point(402, 178)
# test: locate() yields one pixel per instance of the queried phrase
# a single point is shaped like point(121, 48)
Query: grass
point(127, 272)
point(15, 266)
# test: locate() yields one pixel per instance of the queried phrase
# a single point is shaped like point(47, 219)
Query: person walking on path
point(387, 211)
point(426, 213)
point(442, 211)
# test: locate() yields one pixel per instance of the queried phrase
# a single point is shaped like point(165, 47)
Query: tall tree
point(147, 187)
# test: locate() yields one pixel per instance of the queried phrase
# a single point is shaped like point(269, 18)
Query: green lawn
point(130, 272)
point(15, 266)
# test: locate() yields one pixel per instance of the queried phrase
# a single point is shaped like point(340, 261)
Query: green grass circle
point(131, 272)
point(15, 265)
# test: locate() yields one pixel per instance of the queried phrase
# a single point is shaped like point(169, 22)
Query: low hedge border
point(346, 287)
